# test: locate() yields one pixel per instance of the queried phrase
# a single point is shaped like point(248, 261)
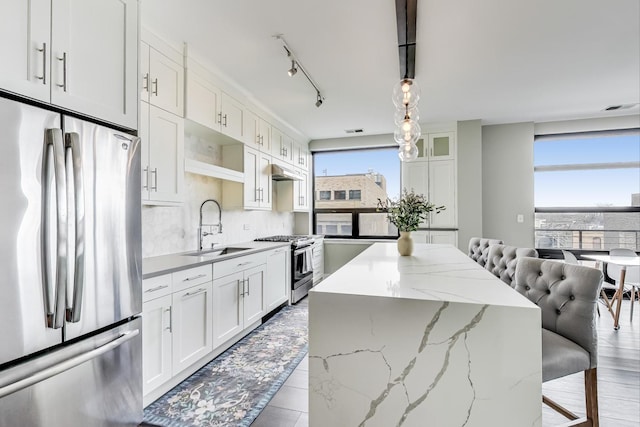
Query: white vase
point(405, 243)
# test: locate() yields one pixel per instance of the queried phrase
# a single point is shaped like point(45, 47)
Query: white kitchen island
point(427, 340)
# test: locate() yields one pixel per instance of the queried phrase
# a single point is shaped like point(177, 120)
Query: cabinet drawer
point(224, 268)
point(191, 277)
point(156, 287)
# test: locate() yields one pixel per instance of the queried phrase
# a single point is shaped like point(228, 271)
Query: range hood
point(280, 173)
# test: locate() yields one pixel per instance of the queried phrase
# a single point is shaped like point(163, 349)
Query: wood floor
point(618, 383)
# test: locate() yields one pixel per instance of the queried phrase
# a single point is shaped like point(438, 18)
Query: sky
point(586, 188)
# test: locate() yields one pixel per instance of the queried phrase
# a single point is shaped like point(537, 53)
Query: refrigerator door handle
point(54, 289)
point(41, 375)
point(72, 148)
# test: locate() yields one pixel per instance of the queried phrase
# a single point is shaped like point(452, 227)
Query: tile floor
point(618, 383)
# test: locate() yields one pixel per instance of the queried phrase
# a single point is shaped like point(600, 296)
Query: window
point(366, 176)
point(587, 190)
point(325, 195)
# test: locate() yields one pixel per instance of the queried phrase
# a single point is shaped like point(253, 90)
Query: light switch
point(520, 218)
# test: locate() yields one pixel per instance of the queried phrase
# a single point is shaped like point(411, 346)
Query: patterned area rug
point(233, 388)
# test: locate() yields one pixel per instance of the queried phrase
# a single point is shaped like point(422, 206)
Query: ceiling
point(500, 61)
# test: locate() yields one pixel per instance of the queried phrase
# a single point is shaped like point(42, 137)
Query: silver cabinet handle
point(220, 118)
point(244, 263)
point(64, 71)
point(248, 288)
point(170, 310)
point(157, 288)
point(258, 140)
point(196, 292)
point(256, 198)
point(154, 174)
point(194, 277)
point(72, 145)
point(170, 327)
point(155, 86)
point(54, 289)
point(242, 291)
point(44, 64)
point(40, 374)
point(225, 120)
point(146, 178)
point(145, 82)
point(261, 140)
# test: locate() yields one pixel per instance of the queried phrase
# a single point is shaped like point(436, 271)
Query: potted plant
point(406, 214)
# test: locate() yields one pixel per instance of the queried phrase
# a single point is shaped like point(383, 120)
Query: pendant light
point(406, 93)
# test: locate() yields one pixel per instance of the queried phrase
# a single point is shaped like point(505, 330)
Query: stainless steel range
point(301, 263)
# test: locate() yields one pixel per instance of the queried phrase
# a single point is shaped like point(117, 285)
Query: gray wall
point(507, 183)
point(469, 138)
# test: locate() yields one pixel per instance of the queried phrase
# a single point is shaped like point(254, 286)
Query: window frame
point(355, 212)
point(556, 253)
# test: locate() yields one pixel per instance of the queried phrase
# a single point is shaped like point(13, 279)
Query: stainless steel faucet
point(201, 233)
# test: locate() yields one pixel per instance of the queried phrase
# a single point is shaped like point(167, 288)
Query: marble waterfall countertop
point(165, 264)
point(430, 339)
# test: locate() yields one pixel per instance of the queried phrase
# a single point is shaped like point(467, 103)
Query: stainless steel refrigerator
point(70, 271)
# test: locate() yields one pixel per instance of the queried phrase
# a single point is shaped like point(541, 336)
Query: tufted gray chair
point(479, 247)
point(502, 259)
point(567, 295)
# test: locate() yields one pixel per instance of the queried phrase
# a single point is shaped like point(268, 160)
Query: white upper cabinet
point(301, 156)
point(281, 146)
point(255, 190)
point(25, 47)
point(162, 77)
point(162, 155)
point(80, 55)
point(209, 106)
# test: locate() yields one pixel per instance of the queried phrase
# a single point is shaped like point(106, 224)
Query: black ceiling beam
point(406, 13)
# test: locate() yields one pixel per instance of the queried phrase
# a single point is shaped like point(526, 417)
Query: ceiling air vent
point(354, 130)
point(619, 107)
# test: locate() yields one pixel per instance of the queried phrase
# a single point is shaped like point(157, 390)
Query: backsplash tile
point(171, 229)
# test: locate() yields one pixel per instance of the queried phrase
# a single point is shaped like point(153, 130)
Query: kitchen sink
point(215, 252)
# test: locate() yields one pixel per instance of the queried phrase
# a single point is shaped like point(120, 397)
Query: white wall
point(507, 183)
point(469, 139)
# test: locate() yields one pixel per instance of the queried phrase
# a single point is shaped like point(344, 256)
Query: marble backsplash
point(171, 229)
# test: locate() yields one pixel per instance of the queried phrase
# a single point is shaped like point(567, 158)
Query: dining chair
point(502, 259)
point(479, 248)
point(570, 258)
point(631, 282)
point(567, 295)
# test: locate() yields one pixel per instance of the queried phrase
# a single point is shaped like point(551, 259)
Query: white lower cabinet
point(238, 301)
point(192, 319)
point(277, 280)
point(435, 236)
point(156, 342)
point(192, 315)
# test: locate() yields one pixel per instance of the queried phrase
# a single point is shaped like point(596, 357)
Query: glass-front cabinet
point(437, 146)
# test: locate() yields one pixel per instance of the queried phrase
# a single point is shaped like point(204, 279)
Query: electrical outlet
point(246, 227)
point(520, 218)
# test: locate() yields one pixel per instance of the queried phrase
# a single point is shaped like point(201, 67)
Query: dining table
point(624, 262)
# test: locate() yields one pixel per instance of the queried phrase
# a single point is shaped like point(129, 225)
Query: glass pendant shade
point(406, 94)
point(408, 132)
point(408, 152)
point(401, 113)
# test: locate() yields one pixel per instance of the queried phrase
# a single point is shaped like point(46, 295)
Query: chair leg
point(591, 395)
point(608, 303)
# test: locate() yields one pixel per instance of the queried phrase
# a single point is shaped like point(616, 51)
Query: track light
point(296, 65)
point(293, 70)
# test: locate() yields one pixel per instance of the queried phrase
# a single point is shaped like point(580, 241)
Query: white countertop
point(164, 264)
point(434, 272)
